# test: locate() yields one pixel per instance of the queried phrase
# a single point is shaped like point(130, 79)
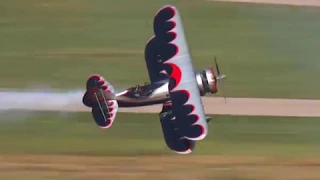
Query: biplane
point(173, 83)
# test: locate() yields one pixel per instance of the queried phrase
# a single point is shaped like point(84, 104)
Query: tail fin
point(101, 98)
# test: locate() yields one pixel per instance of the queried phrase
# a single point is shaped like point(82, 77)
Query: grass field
point(70, 146)
point(267, 51)
point(134, 134)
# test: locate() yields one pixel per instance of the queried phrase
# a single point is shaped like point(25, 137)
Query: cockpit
point(141, 91)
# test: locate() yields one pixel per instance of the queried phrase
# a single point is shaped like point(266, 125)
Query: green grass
point(267, 51)
point(133, 134)
point(57, 146)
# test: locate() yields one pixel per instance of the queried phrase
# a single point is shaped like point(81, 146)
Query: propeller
point(219, 78)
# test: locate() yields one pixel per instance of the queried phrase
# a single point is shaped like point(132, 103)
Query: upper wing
point(184, 93)
point(152, 58)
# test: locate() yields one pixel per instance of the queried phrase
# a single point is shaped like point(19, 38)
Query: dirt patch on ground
point(212, 105)
point(250, 106)
point(160, 167)
point(315, 3)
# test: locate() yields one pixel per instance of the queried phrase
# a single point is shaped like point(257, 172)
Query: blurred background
point(267, 51)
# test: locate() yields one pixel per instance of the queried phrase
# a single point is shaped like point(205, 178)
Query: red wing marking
point(176, 73)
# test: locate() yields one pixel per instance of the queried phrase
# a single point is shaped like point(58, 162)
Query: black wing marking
point(153, 61)
point(171, 133)
point(183, 88)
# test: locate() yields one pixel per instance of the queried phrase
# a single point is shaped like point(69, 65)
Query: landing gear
point(208, 118)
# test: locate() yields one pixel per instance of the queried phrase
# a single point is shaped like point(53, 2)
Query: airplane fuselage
point(158, 92)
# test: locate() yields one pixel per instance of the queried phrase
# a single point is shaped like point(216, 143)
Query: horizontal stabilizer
point(104, 115)
point(100, 97)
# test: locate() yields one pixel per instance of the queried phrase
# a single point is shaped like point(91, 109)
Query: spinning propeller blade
point(217, 67)
point(220, 77)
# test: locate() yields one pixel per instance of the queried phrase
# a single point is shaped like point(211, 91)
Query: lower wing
point(174, 140)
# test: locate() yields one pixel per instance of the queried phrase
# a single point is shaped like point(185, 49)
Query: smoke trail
point(20, 104)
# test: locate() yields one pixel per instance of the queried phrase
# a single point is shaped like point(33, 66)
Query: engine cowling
point(207, 81)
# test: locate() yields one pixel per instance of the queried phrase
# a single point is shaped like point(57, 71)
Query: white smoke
point(17, 104)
